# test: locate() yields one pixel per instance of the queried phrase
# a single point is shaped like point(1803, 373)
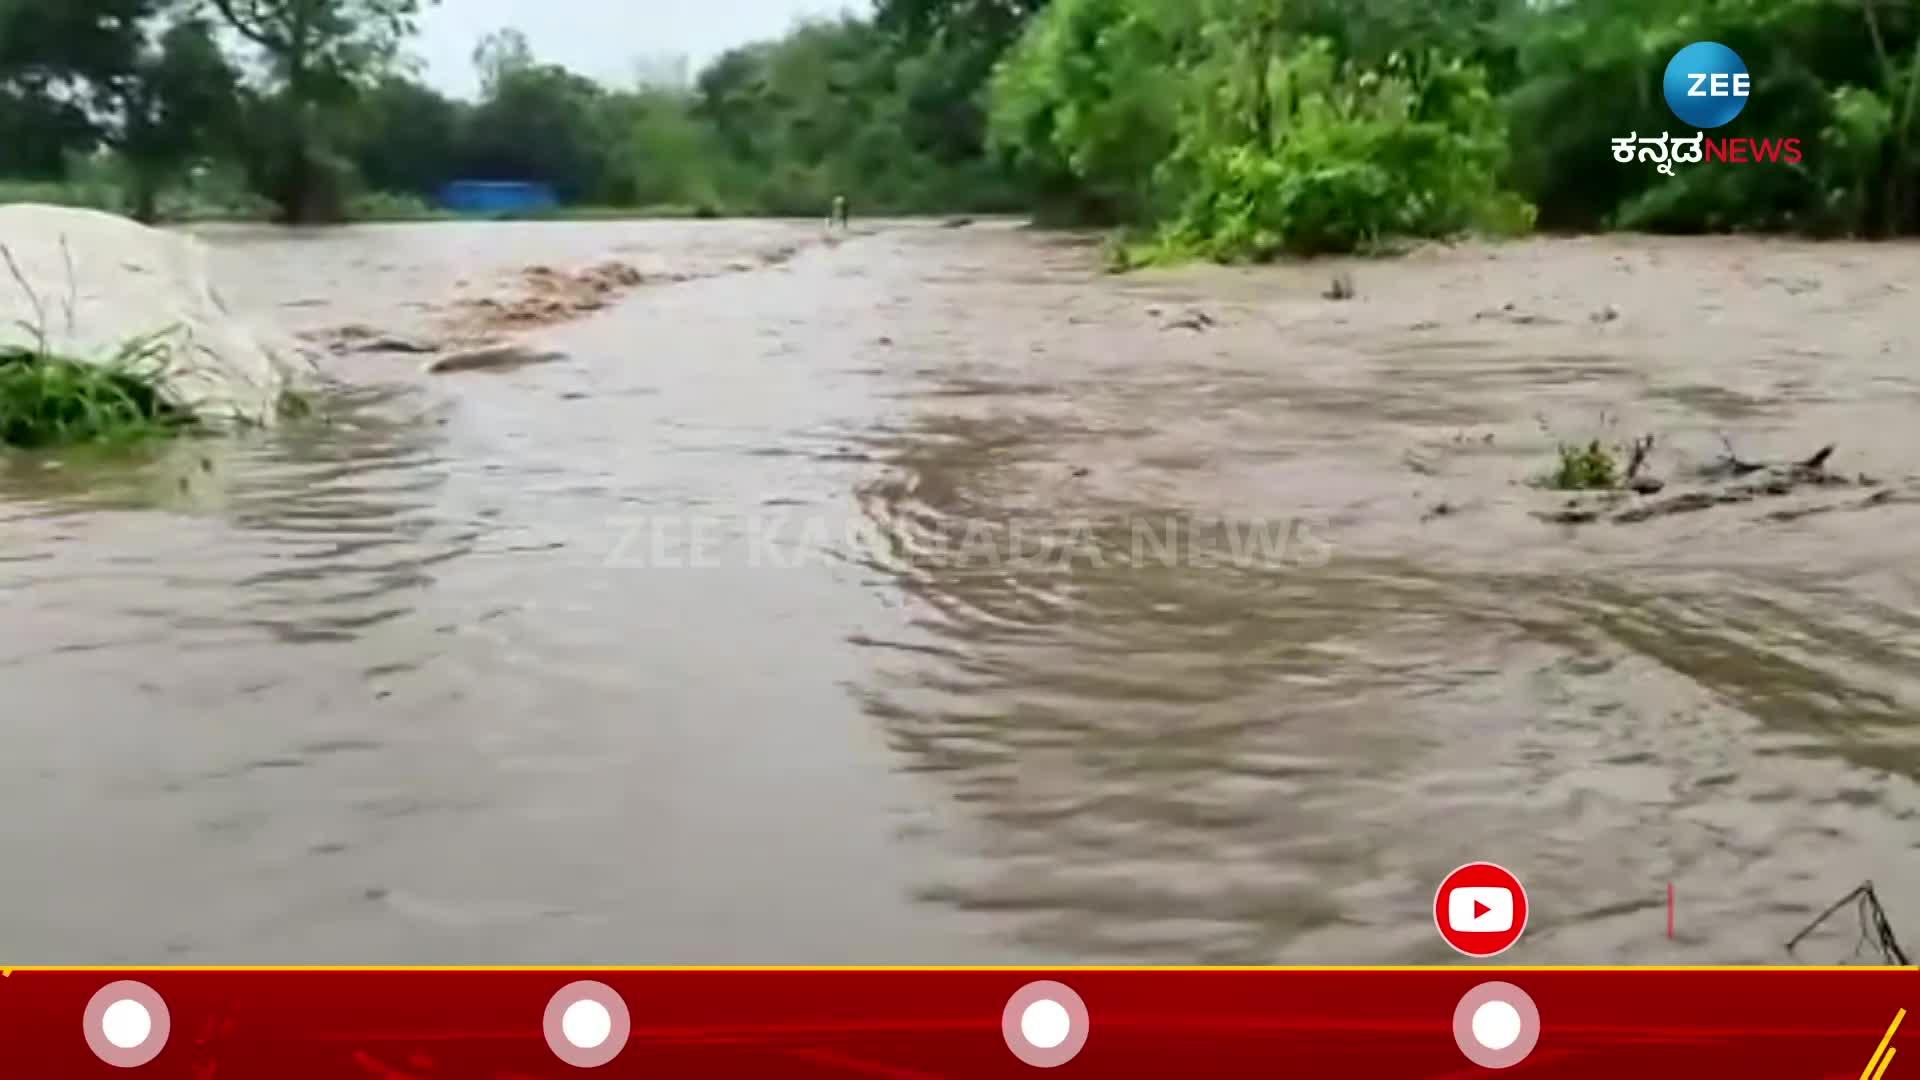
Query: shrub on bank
point(1344, 158)
point(1228, 135)
point(50, 400)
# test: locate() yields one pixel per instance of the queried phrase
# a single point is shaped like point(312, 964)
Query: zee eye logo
point(1706, 84)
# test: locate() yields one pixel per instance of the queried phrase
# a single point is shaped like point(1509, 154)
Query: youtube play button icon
point(1480, 910)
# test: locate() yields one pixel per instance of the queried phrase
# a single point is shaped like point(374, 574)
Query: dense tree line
point(1223, 128)
point(1242, 128)
point(889, 109)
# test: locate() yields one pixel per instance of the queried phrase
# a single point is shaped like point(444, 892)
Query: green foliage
point(829, 110)
point(64, 69)
point(1245, 139)
point(182, 96)
point(1835, 75)
point(49, 400)
point(1336, 158)
point(1087, 104)
point(1227, 129)
point(538, 124)
point(949, 49)
point(391, 206)
point(321, 52)
point(1585, 468)
point(403, 136)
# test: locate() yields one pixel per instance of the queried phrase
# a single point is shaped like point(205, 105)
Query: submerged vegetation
point(1585, 468)
point(51, 400)
point(1223, 129)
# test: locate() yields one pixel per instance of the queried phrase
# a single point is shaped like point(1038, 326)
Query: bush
point(391, 206)
point(1585, 468)
point(1345, 158)
point(1085, 106)
point(49, 400)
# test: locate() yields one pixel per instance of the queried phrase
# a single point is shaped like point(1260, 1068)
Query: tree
point(995, 23)
point(731, 98)
point(499, 55)
point(947, 51)
point(538, 125)
point(59, 63)
point(1086, 104)
point(176, 104)
point(406, 136)
point(661, 154)
point(320, 51)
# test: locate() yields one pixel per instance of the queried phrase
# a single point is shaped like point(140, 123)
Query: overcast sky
point(604, 38)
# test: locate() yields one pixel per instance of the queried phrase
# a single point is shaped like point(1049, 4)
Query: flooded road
point(933, 598)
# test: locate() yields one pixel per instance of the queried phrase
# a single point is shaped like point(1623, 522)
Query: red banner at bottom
point(518, 1024)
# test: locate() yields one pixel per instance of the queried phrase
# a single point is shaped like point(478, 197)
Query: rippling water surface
point(933, 598)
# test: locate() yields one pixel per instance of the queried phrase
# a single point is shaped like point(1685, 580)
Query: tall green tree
point(946, 51)
point(540, 124)
point(321, 52)
point(406, 137)
point(498, 55)
point(59, 65)
point(177, 105)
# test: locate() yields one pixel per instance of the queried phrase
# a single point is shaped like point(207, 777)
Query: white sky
point(604, 38)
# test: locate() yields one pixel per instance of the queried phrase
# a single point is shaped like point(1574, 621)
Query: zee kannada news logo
point(1706, 86)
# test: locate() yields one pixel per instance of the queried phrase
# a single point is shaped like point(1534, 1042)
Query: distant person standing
point(839, 217)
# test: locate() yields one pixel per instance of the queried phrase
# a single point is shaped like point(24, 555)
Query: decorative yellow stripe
point(1884, 1062)
point(1870, 1073)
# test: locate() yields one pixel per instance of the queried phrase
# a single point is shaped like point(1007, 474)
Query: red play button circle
point(1480, 910)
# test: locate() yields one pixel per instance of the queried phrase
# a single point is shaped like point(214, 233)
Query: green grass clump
point(48, 400)
point(1585, 468)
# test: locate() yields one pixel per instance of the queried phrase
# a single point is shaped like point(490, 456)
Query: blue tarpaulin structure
point(496, 197)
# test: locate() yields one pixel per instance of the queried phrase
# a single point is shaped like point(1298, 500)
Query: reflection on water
point(1112, 641)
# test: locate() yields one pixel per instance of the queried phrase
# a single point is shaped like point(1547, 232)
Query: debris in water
point(1875, 929)
point(1731, 480)
point(1641, 448)
point(358, 338)
point(1197, 321)
point(1510, 313)
point(1340, 288)
point(493, 358)
point(1419, 464)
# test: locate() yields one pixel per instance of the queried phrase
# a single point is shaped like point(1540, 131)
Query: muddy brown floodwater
point(800, 614)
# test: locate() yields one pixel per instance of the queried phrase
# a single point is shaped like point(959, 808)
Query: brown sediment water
point(932, 597)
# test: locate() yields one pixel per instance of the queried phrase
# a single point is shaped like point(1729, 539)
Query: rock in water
point(92, 282)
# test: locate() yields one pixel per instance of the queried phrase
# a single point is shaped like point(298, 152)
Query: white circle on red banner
point(586, 1024)
point(126, 1024)
point(1045, 1024)
point(1496, 1025)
